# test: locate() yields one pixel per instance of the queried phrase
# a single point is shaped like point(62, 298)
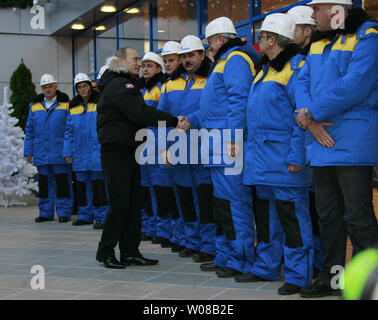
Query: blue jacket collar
point(239, 46)
point(228, 47)
point(279, 62)
point(225, 54)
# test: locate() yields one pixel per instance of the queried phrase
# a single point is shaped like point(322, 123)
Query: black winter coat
point(121, 110)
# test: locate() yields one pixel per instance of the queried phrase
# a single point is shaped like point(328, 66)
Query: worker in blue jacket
point(150, 84)
point(82, 150)
point(275, 163)
point(337, 95)
point(162, 186)
point(223, 107)
point(304, 29)
point(43, 146)
point(171, 62)
point(181, 97)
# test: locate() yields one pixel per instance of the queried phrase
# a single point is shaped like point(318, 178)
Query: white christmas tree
point(16, 174)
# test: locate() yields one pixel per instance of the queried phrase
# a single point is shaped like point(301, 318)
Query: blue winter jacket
point(274, 140)
point(338, 84)
point(224, 98)
point(151, 89)
point(181, 97)
point(80, 138)
point(151, 94)
point(44, 131)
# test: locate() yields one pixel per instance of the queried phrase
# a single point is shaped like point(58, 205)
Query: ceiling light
point(77, 26)
point(161, 31)
point(108, 8)
point(132, 10)
point(100, 28)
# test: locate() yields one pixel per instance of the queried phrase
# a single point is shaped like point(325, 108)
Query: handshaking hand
point(166, 156)
point(233, 149)
point(184, 124)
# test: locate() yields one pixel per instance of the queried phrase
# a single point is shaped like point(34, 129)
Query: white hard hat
point(279, 23)
point(46, 79)
point(171, 47)
point(341, 2)
point(81, 77)
point(190, 43)
point(152, 56)
point(220, 25)
point(302, 15)
point(102, 70)
point(105, 66)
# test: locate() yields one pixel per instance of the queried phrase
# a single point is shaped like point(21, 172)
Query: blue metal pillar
point(95, 53)
point(202, 17)
point(117, 31)
point(357, 3)
point(255, 11)
point(251, 13)
point(73, 65)
point(199, 18)
point(152, 14)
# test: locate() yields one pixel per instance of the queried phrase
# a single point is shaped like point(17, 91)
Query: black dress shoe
point(203, 257)
point(138, 260)
point(210, 266)
point(315, 273)
point(42, 219)
point(98, 225)
point(288, 289)
point(63, 219)
point(227, 272)
point(165, 243)
point(248, 277)
point(318, 289)
point(80, 223)
point(177, 248)
point(144, 237)
point(156, 240)
point(110, 262)
point(187, 253)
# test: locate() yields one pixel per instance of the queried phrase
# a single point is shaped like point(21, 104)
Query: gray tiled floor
point(72, 273)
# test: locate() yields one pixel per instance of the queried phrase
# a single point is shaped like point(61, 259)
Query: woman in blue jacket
point(82, 149)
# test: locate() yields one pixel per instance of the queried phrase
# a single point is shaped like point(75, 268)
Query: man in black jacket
point(121, 113)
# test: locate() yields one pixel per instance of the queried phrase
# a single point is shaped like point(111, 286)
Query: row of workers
point(283, 101)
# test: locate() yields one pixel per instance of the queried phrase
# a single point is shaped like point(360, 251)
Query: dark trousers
point(123, 220)
point(344, 201)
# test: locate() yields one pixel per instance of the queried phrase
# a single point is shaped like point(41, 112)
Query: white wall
point(41, 54)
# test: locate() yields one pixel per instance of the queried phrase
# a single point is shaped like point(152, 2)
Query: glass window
point(105, 41)
point(134, 28)
point(256, 31)
point(266, 7)
point(371, 6)
point(270, 5)
point(237, 10)
point(173, 20)
point(84, 56)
